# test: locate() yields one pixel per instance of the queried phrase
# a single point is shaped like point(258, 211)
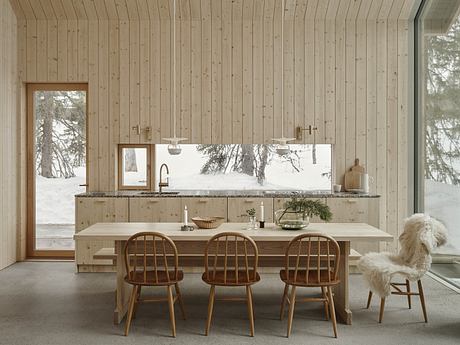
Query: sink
point(159, 193)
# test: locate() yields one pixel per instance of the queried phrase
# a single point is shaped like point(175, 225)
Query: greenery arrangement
point(251, 212)
point(308, 208)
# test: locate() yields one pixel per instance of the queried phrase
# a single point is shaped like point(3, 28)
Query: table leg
point(123, 289)
point(342, 307)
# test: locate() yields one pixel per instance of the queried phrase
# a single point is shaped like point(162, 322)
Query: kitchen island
point(271, 241)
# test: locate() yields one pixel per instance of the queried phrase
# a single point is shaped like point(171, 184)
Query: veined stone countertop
point(225, 194)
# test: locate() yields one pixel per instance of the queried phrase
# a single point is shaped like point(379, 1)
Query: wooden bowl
point(208, 222)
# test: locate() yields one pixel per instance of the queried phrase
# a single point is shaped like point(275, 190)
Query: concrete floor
point(46, 303)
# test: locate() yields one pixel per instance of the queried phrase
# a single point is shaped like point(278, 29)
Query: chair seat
point(325, 278)
point(218, 278)
point(151, 278)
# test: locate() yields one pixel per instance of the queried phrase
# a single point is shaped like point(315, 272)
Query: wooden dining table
point(271, 242)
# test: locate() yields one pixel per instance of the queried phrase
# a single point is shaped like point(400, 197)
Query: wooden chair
point(396, 290)
point(312, 260)
point(231, 259)
point(151, 260)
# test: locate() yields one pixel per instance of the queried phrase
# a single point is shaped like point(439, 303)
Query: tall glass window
point(438, 118)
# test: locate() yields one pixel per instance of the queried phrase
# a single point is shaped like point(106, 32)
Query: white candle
point(185, 216)
point(262, 216)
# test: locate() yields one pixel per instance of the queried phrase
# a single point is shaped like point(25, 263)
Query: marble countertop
point(225, 194)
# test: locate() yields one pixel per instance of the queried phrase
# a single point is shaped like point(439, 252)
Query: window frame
point(149, 160)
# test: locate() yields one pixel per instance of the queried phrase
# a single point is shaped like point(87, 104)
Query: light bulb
point(174, 149)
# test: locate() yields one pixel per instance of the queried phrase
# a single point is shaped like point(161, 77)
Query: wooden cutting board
point(353, 176)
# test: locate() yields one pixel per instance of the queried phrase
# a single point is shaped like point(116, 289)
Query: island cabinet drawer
point(278, 203)
point(237, 209)
point(89, 211)
point(356, 210)
point(203, 207)
point(155, 210)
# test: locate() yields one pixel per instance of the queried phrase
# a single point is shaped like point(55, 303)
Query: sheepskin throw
point(421, 235)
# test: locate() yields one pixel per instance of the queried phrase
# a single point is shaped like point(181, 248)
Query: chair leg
point(250, 309)
point(132, 301)
point(409, 302)
point(253, 310)
point(382, 308)
point(291, 310)
point(283, 300)
point(332, 307)
point(136, 302)
point(171, 310)
point(179, 297)
point(422, 299)
point(210, 308)
point(369, 300)
point(326, 303)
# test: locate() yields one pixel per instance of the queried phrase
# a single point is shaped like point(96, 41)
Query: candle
point(185, 216)
point(262, 216)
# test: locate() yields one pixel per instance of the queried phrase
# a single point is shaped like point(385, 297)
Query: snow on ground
point(442, 201)
point(55, 198)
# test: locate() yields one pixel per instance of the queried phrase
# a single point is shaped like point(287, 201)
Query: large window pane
point(251, 167)
point(440, 104)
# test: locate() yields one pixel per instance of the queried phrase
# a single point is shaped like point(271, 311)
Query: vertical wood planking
point(165, 80)
point(52, 50)
point(114, 101)
point(206, 70)
point(124, 82)
point(82, 58)
point(62, 50)
point(216, 71)
point(42, 52)
point(268, 83)
point(144, 82)
point(185, 114)
point(93, 105)
point(155, 90)
point(31, 50)
point(247, 38)
point(72, 47)
point(258, 72)
point(195, 10)
point(105, 154)
point(134, 82)
point(237, 77)
point(226, 127)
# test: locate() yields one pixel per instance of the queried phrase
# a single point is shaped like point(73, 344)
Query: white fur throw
point(421, 235)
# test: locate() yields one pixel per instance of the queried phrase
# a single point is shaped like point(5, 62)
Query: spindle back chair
point(151, 259)
point(311, 260)
point(231, 259)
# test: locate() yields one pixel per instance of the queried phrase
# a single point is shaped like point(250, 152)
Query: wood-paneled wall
point(346, 72)
point(8, 135)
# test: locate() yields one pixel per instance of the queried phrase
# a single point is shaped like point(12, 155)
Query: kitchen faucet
point(162, 184)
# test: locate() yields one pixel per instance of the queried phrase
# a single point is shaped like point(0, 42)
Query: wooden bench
point(109, 254)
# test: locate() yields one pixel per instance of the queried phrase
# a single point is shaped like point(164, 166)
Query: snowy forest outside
point(442, 131)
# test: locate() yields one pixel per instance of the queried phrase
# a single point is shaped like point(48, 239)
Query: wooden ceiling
point(203, 9)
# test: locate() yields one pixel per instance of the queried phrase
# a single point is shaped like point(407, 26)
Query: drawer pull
point(99, 201)
point(153, 201)
point(351, 201)
point(248, 201)
point(203, 201)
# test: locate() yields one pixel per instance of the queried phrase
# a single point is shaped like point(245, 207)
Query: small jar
point(252, 225)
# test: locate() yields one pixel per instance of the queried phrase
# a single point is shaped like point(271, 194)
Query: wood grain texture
point(9, 173)
point(346, 72)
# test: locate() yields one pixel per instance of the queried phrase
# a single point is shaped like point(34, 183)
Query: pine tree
point(247, 159)
point(442, 106)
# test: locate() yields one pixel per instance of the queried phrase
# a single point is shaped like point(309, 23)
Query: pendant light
point(282, 148)
point(174, 147)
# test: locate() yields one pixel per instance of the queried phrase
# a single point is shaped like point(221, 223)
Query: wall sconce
point(299, 131)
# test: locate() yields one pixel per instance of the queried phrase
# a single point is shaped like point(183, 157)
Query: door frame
point(31, 252)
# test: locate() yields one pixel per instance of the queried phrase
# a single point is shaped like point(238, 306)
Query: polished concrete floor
point(47, 303)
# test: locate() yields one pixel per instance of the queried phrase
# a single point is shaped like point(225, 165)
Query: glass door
point(57, 166)
point(439, 128)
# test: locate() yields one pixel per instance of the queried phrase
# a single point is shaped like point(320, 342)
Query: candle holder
point(261, 224)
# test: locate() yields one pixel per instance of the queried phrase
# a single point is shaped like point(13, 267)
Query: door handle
point(83, 185)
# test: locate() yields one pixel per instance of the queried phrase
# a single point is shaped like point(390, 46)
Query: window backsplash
point(247, 167)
